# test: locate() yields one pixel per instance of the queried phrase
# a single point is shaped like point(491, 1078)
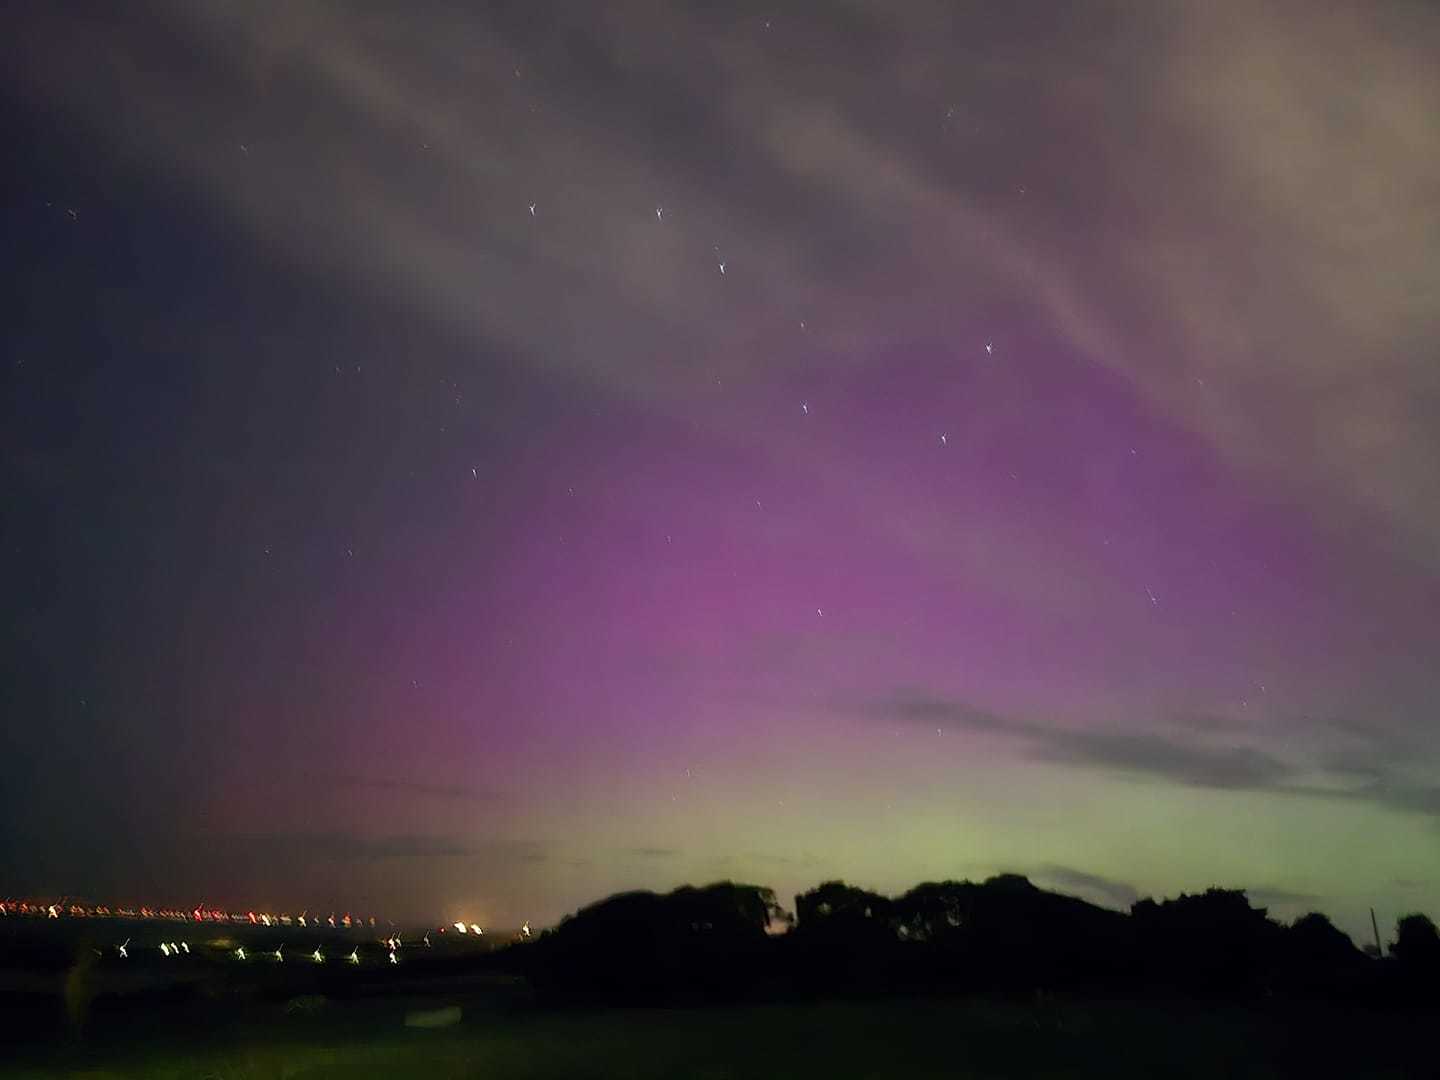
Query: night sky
point(462, 460)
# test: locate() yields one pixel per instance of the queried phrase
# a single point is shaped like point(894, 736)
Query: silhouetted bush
point(1003, 934)
point(707, 941)
point(1417, 942)
point(1316, 958)
point(843, 938)
point(1211, 942)
point(1416, 953)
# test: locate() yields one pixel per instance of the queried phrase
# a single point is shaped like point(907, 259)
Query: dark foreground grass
point(955, 1038)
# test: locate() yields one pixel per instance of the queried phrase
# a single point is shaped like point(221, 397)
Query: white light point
point(475, 929)
point(354, 956)
point(944, 440)
point(317, 955)
point(461, 928)
point(124, 955)
point(989, 349)
point(659, 213)
point(532, 209)
point(722, 269)
point(805, 407)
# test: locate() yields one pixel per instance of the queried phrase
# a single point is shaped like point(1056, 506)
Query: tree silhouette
point(838, 910)
point(1317, 958)
point(1212, 941)
point(1001, 934)
point(1417, 943)
point(647, 945)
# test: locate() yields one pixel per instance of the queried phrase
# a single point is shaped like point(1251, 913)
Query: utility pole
point(1379, 952)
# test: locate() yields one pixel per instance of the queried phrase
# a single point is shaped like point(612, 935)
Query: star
point(659, 213)
point(805, 408)
point(820, 612)
point(989, 349)
point(474, 472)
point(722, 268)
point(532, 209)
point(944, 440)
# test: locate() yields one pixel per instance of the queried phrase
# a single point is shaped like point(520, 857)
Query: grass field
point(957, 1038)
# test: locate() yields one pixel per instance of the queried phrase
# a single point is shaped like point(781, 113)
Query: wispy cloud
point(1112, 893)
point(345, 846)
point(654, 852)
point(415, 787)
point(1179, 757)
point(1235, 767)
point(1281, 898)
point(1139, 753)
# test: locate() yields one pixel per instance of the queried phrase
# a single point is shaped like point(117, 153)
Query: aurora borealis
point(467, 461)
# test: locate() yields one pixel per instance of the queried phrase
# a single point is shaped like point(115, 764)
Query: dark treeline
point(1002, 935)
